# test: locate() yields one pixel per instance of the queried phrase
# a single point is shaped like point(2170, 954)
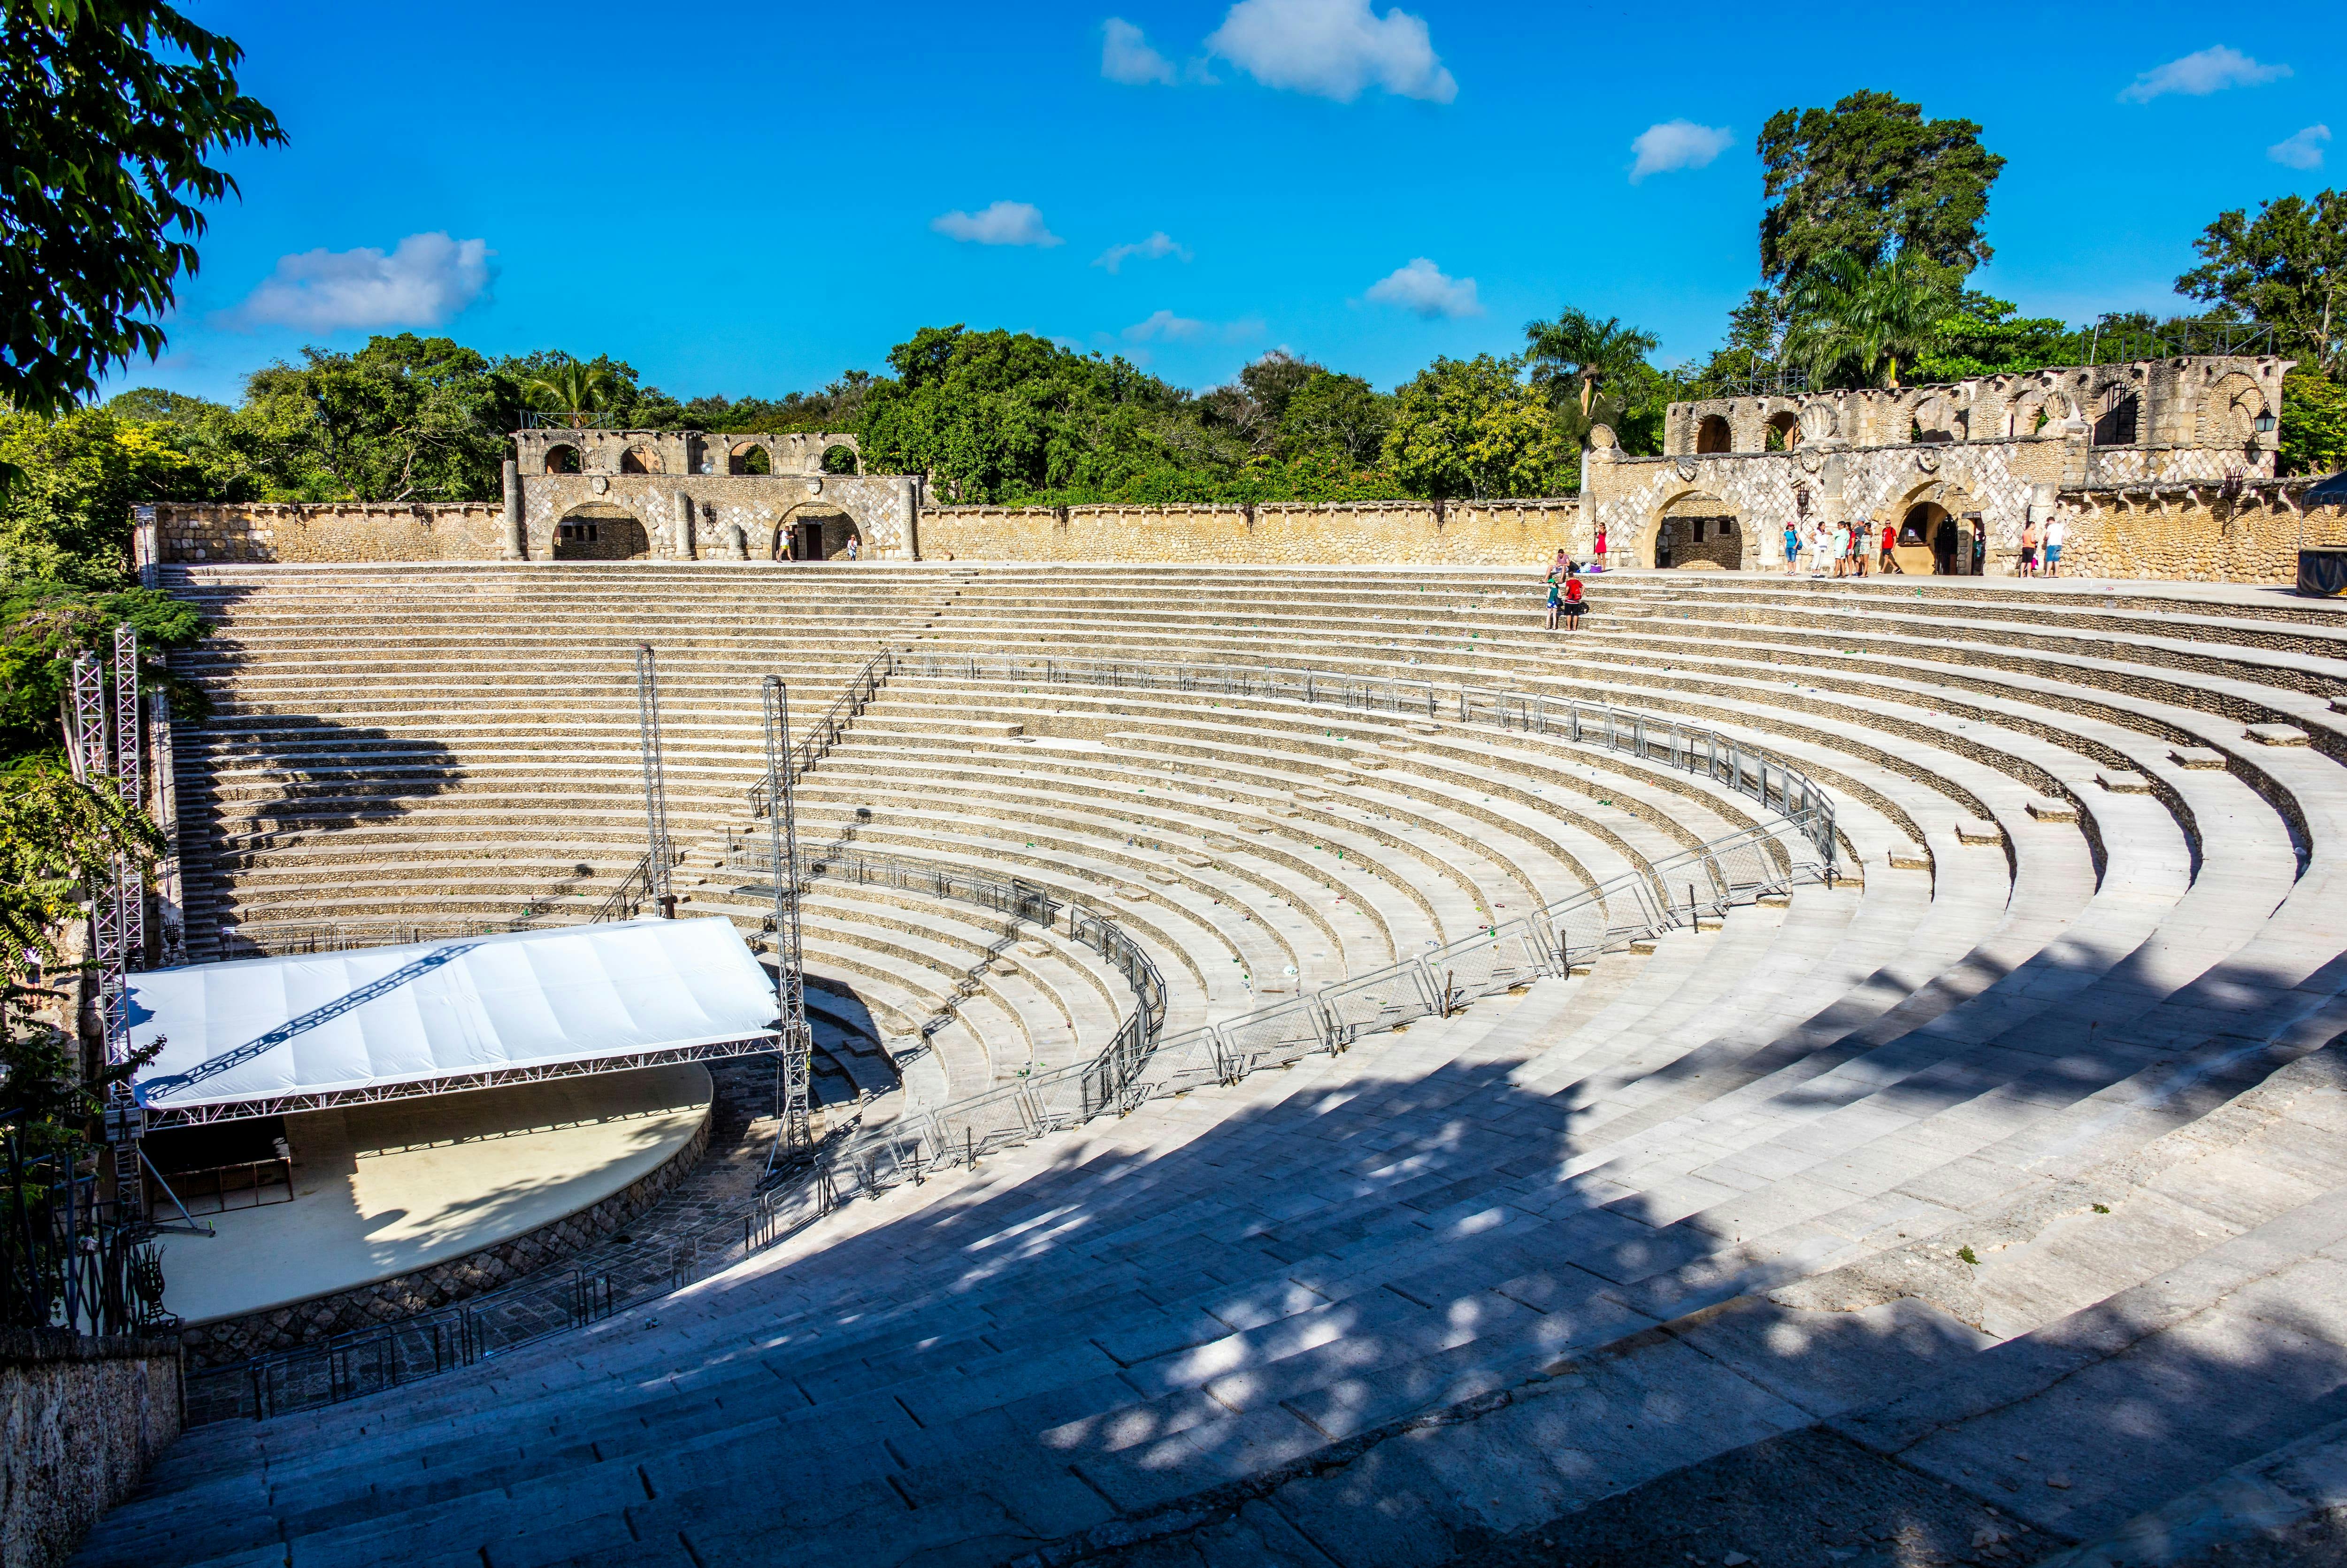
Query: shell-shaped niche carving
point(1817, 421)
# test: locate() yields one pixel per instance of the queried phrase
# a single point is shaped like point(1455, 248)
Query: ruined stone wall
point(2193, 534)
point(334, 532)
point(1360, 533)
point(80, 1420)
point(719, 516)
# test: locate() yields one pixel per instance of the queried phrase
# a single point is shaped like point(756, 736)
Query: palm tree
point(571, 386)
point(1847, 312)
point(1578, 348)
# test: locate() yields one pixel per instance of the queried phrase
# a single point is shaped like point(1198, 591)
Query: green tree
point(43, 623)
point(109, 113)
point(1871, 178)
point(1853, 320)
point(1473, 428)
point(2313, 424)
point(67, 486)
point(404, 419)
point(1574, 355)
point(574, 386)
point(1337, 422)
point(2286, 268)
point(1984, 336)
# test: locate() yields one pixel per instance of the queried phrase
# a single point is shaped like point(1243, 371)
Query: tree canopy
point(2286, 268)
point(1870, 178)
point(111, 112)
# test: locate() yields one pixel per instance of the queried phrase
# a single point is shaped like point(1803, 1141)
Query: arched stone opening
point(639, 460)
point(815, 532)
point(750, 457)
point(600, 531)
point(1783, 432)
point(1937, 419)
point(2116, 414)
point(1713, 435)
point(1697, 531)
point(841, 459)
point(1931, 541)
point(563, 458)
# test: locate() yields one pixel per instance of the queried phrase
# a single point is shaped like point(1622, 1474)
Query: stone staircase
point(1995, 1195)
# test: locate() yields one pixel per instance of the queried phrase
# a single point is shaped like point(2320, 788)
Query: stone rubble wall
point(227, 1340)
point(81, 1417)
point(337, 532)
point(2191, 534)
point(1344, 533)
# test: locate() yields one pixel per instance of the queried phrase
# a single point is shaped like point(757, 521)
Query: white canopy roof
point(298, 1032)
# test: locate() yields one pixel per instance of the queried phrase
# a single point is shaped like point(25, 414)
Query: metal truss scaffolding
point(105, 753)
point(659, 856)
point(797, 1133)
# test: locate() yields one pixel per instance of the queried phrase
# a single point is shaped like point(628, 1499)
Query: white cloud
point(1155, 246)
point(1164, 326)
point(2211, 69)
point(1677, 144)
point(1004, 224)
point(425, 281)
point(1333, 48)
point(1126, 56)
point(2303, 149)
point(1422, 287)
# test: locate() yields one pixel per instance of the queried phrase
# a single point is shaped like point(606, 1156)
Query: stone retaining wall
point(80, 1420)
point(337, 533)
point(227, 1340)
point(1344, 533)
point(2193, 535)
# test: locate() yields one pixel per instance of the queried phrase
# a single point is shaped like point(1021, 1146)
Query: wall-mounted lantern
point(2265, 422)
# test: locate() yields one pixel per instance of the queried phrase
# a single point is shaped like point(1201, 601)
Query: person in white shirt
point(2055, 531)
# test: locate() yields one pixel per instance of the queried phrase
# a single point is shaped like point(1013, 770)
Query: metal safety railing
point(1752, 770)
point(829, 730)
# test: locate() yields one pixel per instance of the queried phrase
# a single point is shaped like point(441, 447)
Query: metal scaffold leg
point(797, 1131)
point(659, 856)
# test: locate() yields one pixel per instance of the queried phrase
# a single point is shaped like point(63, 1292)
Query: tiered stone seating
point(2008, 1168)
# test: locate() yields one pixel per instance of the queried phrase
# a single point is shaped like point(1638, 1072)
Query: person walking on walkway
point(1792, 548)
point(1944, 548)
point(1862, 544)
point(2057, 530)
point(1889, 544)
point(2029, 539)
point(1820, 550)
point(1573, 604)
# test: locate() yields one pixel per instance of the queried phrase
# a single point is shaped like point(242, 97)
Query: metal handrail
point(1751, 771)
point(829, 730)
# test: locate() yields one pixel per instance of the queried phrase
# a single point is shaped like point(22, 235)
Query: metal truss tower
point(117, 906)
point(658, 856)
point(790, 977)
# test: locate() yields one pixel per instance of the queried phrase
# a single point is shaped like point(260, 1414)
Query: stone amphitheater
point(1966, 1186)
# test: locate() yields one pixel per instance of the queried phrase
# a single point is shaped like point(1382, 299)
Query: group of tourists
point(2041, 546)
point(1567, 600)
point(1842, 549)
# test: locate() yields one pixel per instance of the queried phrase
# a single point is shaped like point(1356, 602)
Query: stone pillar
point(908, 510)
point(737, 543)
point(515, 546)
point(681, 531)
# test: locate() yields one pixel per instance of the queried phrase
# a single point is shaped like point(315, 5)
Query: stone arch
point(563, 457)
point(1783, 431)
point(840, 457)
point(2038, 410)
point(814, 530)
point(1937, 419)
point(1668, 537)
point(2229, 414)
point(640, 459)
point(750, 457)
point(1917, 515)
point(1712, 435)
point(598, 530)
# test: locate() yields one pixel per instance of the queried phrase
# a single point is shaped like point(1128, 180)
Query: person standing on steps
point(2057, 530)
point(1792, 548)
point(1820, 550)
point(1555, 600)
point(1599, 550)
point(1573, 604)
point(855, 547)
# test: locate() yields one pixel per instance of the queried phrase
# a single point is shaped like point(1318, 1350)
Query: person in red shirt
point(1574, 603)
point(1889, 539)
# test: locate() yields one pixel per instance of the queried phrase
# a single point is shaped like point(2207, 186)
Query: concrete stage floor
point(382, 1189)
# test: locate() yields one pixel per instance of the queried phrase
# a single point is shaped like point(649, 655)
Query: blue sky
point(748, 200)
